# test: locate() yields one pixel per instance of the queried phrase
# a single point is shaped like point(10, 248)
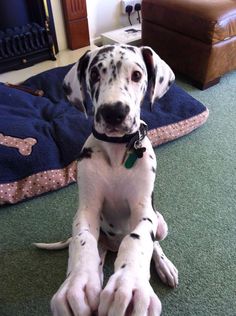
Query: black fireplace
point(27, 33)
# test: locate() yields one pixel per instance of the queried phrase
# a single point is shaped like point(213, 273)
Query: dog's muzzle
point(114, 114)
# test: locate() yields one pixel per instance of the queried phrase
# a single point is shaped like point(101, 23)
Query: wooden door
point(75, 15)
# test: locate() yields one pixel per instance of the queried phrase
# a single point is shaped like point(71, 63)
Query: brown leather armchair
point(195, 37)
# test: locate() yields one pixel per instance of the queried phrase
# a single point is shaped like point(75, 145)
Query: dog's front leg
point(128, 291)
point(79, 294)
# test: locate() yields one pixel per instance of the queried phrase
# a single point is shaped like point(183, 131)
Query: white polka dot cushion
point(41, 136)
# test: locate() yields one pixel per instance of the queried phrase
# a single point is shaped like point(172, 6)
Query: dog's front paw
point(128, 295)
point(78, 295)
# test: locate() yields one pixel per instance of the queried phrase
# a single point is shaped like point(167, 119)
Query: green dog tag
point(130, 161)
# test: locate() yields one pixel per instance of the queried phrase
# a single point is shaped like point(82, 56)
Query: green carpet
point(195, 190)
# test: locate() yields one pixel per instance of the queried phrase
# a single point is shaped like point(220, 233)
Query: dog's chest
point(116, 195)
point(117, 186)
point(122, 185)
point(115, 217)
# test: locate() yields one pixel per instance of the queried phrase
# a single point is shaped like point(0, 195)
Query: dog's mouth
point(116, 131)
point(128, 127)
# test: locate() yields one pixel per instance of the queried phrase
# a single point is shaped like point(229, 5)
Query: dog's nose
point(114, 114)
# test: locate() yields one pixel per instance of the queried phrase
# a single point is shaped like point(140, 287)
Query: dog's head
point(116, 78)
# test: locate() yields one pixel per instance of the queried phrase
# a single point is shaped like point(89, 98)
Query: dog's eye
point(136, 76)
point(94, 75)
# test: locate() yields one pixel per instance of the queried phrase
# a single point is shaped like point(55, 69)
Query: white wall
point(103, 16)
point(59, 24)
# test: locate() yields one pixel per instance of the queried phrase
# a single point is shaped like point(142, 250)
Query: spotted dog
point(116, 174)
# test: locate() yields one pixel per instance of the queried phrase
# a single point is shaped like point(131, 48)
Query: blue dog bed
point(41, 137)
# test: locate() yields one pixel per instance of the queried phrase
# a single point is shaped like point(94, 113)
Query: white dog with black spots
point(116, 174)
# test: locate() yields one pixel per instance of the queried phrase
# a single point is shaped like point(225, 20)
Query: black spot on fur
point(94, 80)
point(82, 66)
point(92, 90)
point(94, 61)
point(144, 89)
point(106, 49)
point(100, 65)
point(82, 243)
point(97, 94)
point(111, 225)
point(147, 219)
point(161, 79)
point(139, 66)
point(135, 236)
point(114, 71)
point(85, 153)
point(153, 170)
point(123, 266)
point(151, 70)
point(130, 48)
point(118, 66)
point(152, 236)
point(67, 88)
point(151, 156)
point(104, 70)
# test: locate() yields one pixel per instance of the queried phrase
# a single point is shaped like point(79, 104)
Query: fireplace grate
point(28, 37)
point(18, 41)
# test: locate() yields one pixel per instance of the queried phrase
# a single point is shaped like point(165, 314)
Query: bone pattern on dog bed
point(116, 210)
point(24, 146)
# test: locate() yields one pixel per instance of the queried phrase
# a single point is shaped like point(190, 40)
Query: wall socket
point(125, 3)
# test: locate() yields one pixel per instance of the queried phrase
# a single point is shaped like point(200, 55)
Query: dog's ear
point(160, 75)
point(74, 83)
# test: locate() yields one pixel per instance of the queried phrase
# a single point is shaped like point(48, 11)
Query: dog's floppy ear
point(74, 83)
point(160, 75)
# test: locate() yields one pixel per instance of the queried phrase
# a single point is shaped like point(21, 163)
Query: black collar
point(127, 138)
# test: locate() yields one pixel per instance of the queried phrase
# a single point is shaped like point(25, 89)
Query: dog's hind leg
point(164, 267)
